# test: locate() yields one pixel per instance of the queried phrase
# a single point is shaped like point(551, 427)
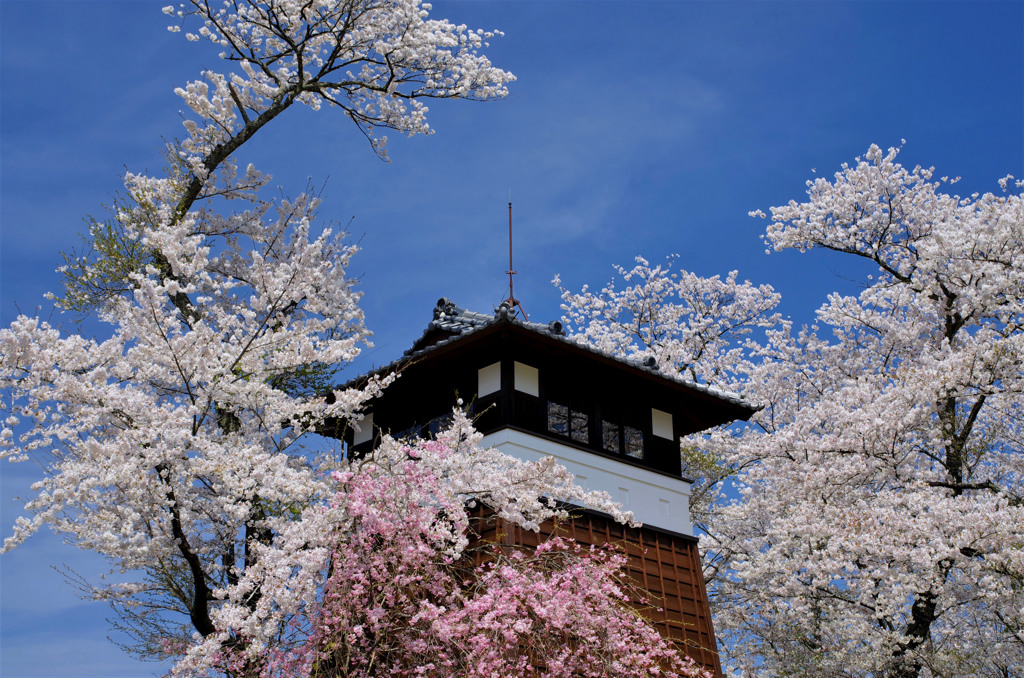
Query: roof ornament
point(511, 302)
point(445, 307)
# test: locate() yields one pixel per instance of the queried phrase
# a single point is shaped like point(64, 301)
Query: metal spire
point(512, 302)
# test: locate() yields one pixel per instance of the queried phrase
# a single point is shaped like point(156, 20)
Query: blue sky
point(635, 128)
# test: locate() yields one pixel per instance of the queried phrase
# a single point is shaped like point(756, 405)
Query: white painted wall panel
point(655, 499)
point(661, 424)
point(527, 379)
point(488, 379)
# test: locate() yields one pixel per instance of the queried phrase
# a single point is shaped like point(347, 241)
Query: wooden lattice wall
point(666, 565)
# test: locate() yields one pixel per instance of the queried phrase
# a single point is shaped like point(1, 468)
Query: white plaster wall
point(654, 499)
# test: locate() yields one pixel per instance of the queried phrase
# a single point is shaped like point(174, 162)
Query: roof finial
point(512, 302)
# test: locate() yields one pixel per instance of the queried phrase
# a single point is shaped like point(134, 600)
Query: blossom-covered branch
point(375, 60)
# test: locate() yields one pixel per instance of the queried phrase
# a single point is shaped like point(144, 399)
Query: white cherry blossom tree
point(175, 447)
point(880, 525)
point(881, 531)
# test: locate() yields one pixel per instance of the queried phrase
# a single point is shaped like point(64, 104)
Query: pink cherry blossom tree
point(389, 577)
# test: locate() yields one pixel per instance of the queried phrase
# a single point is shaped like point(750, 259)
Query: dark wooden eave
point(708, 407)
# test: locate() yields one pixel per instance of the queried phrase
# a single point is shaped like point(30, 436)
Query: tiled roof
point(452, 322)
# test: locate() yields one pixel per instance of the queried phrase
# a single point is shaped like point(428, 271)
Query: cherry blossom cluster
point(689, 325)
point(374, 59)
point(163, 439)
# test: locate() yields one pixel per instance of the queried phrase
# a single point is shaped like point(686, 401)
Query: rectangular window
point(634, 442)
point(413, 431)
point(661, 424)
point(558, 419)
point(569, 423)
point(364, 432)
point(579, 426)
point(610, 437)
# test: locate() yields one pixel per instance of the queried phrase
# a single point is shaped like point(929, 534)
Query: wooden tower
point(615, 424)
